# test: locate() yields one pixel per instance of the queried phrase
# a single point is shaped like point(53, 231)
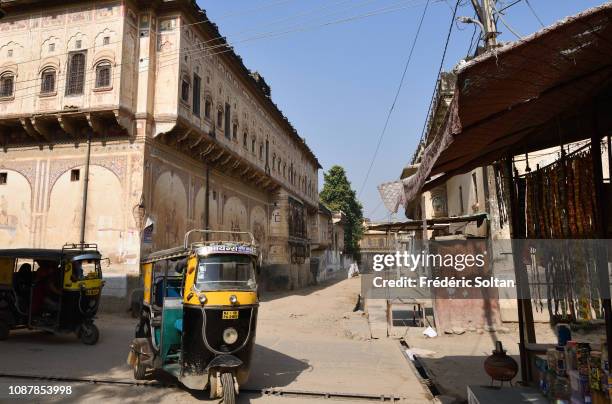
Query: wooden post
point(525, 313)
point(602, 222)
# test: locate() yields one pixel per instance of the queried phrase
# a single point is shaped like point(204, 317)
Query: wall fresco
point(104, 221)
point(169, 210)
point(15, 208)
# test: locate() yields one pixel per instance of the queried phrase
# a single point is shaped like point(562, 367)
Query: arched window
point(103, 74)
point(261, 148)
point(245, 140)
point(220, 118)
point(274, 161)
point(76, 74)
point(207, 108)
point(7, 85)
point(47, 81)
point(185, 90)
point(235, 131)
point(253, 141)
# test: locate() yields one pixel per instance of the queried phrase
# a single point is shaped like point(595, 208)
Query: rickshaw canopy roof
point(213, 247)
point(45, 254)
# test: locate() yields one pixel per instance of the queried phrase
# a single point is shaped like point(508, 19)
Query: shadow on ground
point(37, 353)
point(267, 296)
point(452, 374)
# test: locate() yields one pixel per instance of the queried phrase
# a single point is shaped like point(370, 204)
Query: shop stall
point(547, 90)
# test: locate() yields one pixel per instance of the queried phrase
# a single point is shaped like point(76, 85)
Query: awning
point(524, 96)
point(432, 224)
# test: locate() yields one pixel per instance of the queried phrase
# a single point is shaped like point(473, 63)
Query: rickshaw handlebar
point(203, 231)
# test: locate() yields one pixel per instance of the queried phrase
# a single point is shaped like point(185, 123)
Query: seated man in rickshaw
point(23, 281)
point(45, 299)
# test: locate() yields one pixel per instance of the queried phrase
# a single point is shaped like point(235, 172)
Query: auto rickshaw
point(199, 313)
point(57, 291)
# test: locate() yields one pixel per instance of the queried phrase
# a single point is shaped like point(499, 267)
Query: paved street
point(307, 341)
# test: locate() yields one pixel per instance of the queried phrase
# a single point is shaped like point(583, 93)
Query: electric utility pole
point(485, 11)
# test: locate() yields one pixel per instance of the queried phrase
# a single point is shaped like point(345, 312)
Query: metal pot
point(499, 365)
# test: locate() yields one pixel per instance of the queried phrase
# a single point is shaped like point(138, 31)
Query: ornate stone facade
point(182, 136)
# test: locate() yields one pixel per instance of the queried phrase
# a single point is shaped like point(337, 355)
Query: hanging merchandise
point(558, 203)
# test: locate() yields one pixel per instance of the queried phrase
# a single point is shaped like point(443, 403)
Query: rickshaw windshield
point(226, 272)
point(86, 269)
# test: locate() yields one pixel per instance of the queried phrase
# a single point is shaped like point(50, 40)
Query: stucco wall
point(41, 203)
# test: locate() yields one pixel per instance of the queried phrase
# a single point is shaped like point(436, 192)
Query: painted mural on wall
point(104, 221)
point(258, 228)
point(200, 209)
point(15, 208)
point(169, 209)
point(235, 215)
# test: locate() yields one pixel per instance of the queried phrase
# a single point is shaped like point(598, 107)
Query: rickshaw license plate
point(230, 315)
point(92, 292)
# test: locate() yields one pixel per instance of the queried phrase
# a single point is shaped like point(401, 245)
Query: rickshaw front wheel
point(4, 330)
point(88, 334)
point(229, 393)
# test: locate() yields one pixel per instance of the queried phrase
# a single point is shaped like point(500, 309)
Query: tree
point(337, 194)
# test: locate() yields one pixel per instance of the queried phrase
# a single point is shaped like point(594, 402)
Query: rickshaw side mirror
point(108, 261)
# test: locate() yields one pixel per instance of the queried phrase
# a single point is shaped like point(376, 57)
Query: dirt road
point(308, 340)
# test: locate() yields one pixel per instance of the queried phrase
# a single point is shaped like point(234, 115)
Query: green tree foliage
point(337, 194)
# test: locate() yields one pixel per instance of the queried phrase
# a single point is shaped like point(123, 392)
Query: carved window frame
point(75, 74)
point(103, 75)
point(48, 82)
point(7, 86)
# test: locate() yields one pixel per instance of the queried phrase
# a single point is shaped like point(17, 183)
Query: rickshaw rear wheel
point(4, 330)
point(229, 393)
point(139, 369)
point(88, 334)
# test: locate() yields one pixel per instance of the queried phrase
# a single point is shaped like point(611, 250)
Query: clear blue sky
point(336, 82)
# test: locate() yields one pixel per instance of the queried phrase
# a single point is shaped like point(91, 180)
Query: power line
point(397, 93)
point(254, 10)
point(195, 47)
point(229, 47)
point(185, 50)
point(472, 40)
point(271, 34)
point(220, 37)
point(182, 26)
point(503, 21)
point(534, 13)
point(433, 95)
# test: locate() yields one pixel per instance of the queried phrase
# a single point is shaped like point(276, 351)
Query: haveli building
point(182, 134)
point(327, 243)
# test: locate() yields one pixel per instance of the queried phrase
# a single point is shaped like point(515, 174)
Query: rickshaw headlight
point(233, 299)
point(202, 299)
point(230, 335)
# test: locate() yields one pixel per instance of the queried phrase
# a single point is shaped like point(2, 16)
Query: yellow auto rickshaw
point(199, 313)
point(52, 290)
